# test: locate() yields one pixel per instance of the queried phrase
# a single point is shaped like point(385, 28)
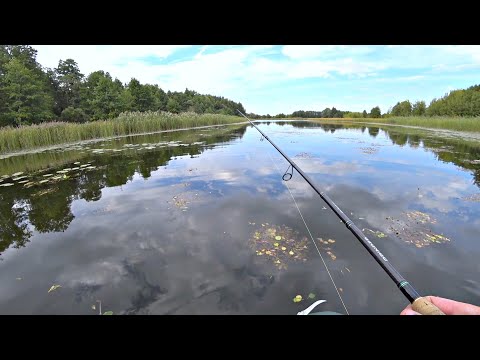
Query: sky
point(273, 79)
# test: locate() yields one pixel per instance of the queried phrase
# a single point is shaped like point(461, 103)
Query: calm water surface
point(194, 222)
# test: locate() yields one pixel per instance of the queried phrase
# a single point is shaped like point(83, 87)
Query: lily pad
point(413, 228)
point(290, 248)
point(297, 298)
point(54, 287)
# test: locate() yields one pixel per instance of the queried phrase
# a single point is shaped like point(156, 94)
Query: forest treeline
point(32, 94)
point(456, 103)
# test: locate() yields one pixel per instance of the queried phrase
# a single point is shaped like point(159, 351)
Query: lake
point(201, 222)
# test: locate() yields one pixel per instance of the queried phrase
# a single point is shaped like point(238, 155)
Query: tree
point(68, 82)
point(104, 96)
point(403, 108)
point(27, 100)
point(353, 115)
point(173, 105)
point(375, 112)
point(72, 114)
point(364, 114)
point(419, 108)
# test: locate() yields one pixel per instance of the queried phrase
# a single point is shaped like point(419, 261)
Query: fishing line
point(310, 233)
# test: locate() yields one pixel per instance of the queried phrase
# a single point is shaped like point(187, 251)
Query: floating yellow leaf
point(284, 248)
point(278, 237)
point(331, 241)
point(268, 252)
point(311, 296)
point(276, 244)
point(291, 252)
point(94, 307)
point(54, 287)
point(297, 298)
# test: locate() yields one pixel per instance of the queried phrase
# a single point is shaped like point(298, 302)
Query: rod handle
point(423, 306)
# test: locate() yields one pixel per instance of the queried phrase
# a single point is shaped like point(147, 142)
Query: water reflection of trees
point(455, 151)
point(48, 207)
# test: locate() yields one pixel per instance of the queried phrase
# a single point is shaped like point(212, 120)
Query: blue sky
point(283, 78)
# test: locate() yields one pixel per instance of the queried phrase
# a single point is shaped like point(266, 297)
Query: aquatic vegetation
point(54, 287)
point(303, 155)
point(369, 150)
point(279, 245)
point(297, 298)
point(53, 133)
point(376, 233)
point(474, 198)
point(438, 122)
point(328, 248)
point(411, 229)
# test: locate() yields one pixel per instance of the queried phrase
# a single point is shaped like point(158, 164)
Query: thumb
point(410, 312)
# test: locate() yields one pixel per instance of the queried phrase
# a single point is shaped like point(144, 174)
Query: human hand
point(449, 307)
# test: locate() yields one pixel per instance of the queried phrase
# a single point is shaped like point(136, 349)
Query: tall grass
point(437, 122)
point(54, 133)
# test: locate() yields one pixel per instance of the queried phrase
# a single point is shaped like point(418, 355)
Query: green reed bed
point(438, 122)
point(54, 133)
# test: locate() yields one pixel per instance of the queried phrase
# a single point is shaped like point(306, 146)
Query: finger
point(408, 311)
point(452, 307)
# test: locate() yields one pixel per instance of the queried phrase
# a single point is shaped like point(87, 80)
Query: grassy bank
point(54, 133)
point(449, 123)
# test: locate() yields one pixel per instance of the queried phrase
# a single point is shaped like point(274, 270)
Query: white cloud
point(309, 51)
point(472, 51)
point(304, 77)
point(100, 57)
point(318, 51)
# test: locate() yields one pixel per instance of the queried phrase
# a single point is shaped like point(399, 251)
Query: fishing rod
point(420, 304)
